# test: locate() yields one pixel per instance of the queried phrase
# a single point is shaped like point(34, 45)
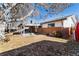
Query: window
point(51, 25)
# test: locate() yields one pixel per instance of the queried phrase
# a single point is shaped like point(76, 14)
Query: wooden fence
point(50, 30)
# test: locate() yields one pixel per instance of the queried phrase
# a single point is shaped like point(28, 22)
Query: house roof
point(57, 19)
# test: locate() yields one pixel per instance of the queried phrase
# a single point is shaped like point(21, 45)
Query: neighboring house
point(21, 27)
point(12, 25)
point(66, 22)
point(27, 28)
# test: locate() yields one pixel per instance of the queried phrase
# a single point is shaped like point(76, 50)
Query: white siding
point(45, 26)
point(58, 24)
point(74, 18)
point(68, 23)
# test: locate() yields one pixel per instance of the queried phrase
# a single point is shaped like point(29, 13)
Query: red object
point(77, 32)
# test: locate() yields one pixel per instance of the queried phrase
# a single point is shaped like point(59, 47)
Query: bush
point(58, 34)
point(55, 34)
point(65, 33)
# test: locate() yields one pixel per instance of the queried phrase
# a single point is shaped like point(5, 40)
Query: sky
point(72, 10)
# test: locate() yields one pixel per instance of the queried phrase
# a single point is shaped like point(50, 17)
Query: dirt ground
point(17, 41)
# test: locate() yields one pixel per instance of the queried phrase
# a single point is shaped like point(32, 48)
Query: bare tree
point(21, 10)
point(53, 8)
point(13, 11)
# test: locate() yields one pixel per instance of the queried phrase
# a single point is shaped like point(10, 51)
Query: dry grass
point(17, 41)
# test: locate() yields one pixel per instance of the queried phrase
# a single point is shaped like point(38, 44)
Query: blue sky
point(73, 9)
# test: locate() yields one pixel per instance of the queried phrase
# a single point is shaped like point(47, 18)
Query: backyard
point(38, 45)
